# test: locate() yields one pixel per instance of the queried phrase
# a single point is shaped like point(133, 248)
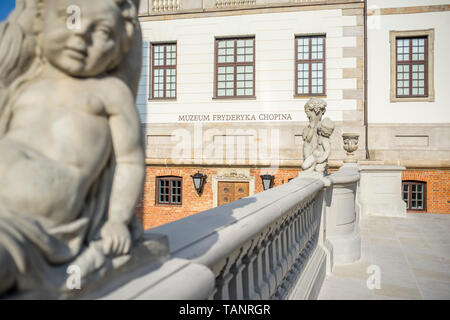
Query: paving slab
point(413, 256)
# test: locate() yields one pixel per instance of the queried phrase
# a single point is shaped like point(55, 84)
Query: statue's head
point(325, 127)
point(96, 45)
point(315, 108)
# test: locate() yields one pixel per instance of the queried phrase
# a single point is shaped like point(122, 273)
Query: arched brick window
point(169, 190)
point(415, 195)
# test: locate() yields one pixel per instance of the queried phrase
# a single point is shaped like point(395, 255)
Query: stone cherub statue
point(71, 151)
point(316, 137)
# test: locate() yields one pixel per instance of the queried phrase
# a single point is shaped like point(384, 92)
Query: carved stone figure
point(314, 109)
point(71, 151)
point(350, 146)
point(324, 130)
point(316, 146)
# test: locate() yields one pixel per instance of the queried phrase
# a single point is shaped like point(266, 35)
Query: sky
point(6, 6)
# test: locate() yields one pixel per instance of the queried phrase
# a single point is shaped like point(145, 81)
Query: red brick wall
point(281, 176)
point(438, 188)
point(153, 215)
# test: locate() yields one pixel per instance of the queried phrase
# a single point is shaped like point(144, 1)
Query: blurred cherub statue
point(324, 130)
point(314, 109)
point(71, 151)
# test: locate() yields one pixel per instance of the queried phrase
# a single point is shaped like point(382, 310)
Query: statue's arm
point(308, 132)
point(327, 150)
point(129, 172)
point(128, 148)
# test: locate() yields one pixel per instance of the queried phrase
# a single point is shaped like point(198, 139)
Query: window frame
point(310, 61)
point(164, 67)
point(233, 64)
point(157, 191)
point(410, 62)
point(429, 65)
point(424, 194)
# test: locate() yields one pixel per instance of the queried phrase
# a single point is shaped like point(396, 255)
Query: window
point(235, 68)
point(310, 65)
point(168, 190)
point(414, 195)
point(412, 65)
point(164, 71)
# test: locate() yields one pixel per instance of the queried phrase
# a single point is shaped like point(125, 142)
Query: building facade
point(224, 84)
point(408, 96)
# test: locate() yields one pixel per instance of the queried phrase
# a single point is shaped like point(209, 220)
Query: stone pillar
point(380, 191)
point(342, 216)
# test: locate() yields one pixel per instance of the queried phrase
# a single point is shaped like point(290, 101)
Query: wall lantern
point(267, 181)
point(199, 182)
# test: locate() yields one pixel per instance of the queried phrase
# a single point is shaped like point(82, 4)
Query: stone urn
point(350, 146)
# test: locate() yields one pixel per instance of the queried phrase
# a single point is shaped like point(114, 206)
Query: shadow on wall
point(200, 231)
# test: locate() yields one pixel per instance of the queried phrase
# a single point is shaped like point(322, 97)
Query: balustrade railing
point(161, 6)
point(234, 3)
point(274, 245)
point(257, 247)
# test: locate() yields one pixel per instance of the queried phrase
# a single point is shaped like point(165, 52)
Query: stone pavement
point(413, 255)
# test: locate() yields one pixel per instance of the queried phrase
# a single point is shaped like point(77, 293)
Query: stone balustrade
point(256, 247)
point(234, 3)
point(272, 245)
point(162, 6)
point(158, 7)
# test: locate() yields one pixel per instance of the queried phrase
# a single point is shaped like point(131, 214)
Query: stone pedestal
point(380, 191)
point(342, 215)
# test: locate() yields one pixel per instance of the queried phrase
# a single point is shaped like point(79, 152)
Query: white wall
point(381, 110)
point(274, 63)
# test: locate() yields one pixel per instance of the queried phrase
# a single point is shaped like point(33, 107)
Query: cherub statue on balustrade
point(314, 109)
point(71, 151)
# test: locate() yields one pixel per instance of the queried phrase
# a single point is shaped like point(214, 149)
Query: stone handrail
point(256, 247)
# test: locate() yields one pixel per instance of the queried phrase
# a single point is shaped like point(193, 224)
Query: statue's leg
point(308, 163)
point(320, 167)
point(7, 271)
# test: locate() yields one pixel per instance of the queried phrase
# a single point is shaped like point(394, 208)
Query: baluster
point(284, 246)
point(309, 223)
point(297, 234)
point(303, 229)
point(279, 251)
point(292, 242)
point(236, 287)
point(294, 233)
point(283, 252)
point(262, 274)
point(249, 276)
point(223, 287)
point(258, 272)
point(274, 263)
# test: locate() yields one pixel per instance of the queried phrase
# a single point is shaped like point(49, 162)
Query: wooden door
point(232, 191)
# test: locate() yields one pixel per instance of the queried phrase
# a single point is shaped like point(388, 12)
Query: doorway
point(232, 191)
